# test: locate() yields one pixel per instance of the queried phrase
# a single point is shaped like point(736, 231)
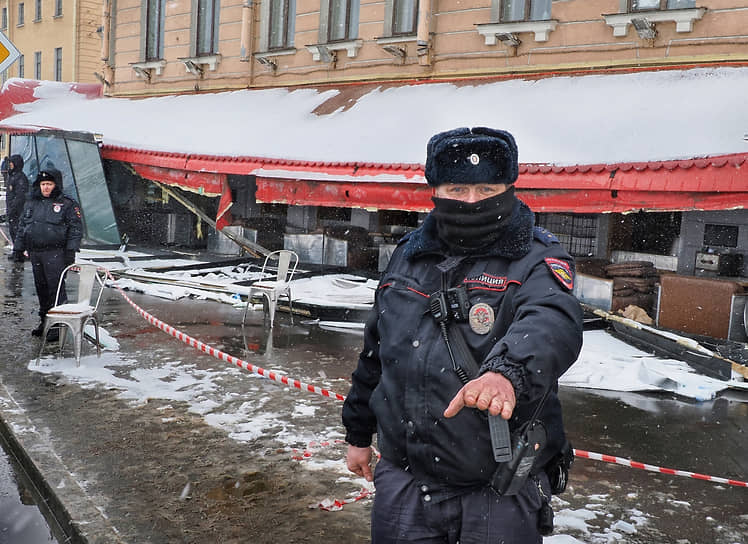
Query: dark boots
point(17, 257)
point(52, 336)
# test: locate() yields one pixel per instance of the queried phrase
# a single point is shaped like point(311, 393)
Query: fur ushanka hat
point(471, 155)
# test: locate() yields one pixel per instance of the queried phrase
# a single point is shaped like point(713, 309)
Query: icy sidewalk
point(171, 445)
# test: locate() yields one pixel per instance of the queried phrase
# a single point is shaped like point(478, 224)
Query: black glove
point(69, 257)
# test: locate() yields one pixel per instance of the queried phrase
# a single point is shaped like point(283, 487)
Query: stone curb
point(70, 511)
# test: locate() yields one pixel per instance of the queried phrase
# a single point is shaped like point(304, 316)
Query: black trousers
point(47, 266)
point(13, 227)
point(405, 512)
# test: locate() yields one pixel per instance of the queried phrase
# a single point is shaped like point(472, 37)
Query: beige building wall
point(462, 43)
point(74, 30)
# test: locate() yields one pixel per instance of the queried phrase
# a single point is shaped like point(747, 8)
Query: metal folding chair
point(75, 316)
point(272, 290)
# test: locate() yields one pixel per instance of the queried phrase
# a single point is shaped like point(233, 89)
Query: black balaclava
point(465, 227)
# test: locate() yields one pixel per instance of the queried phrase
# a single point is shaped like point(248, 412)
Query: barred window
point(576, 232)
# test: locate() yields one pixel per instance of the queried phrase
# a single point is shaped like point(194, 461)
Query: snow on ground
point(605, 362)
point(249, 407)
point(611, 364)
point(254, 412)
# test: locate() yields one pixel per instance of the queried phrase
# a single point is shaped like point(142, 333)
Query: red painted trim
point(368, 195)
point(204, 183)
point(247, 165)
point(632, 201)
point(713, 183)
point(22, 91)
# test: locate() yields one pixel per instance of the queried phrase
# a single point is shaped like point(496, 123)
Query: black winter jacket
point(17, 187)
point(404, 379)
point(49, 223)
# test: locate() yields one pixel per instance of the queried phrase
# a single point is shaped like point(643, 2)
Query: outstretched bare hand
point(491, 391)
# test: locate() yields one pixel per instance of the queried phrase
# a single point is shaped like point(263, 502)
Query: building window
point(281, 24)
point(342, 21)
point(154, 29)
point(38, 10)
point(206, 37)
point(404, 17)
point(525, 10)
point(37, 65)
point(4, 21)
point(58, 8)
point(649, 5)
point(21, 66)
point(20, 14)
point(58, 63)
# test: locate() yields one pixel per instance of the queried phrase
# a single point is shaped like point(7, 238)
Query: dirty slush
point(159, 473)
point(155, 472)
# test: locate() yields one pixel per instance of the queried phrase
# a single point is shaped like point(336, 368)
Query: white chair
point(75, 316)
point(272, 290)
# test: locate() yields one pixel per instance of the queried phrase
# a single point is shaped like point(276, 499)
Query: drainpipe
point(423, 33)
point(106, 21)
point(75, 72)
point(246, 39)
point(245, 47)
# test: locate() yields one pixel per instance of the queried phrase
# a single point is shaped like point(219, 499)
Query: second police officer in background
point(509, 284)
point(16, 189)
point(50, 230)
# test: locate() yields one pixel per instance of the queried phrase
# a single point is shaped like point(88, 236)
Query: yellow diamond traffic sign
point(8, 52)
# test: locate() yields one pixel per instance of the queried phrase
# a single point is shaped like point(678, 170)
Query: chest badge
point(481, 318)
point(57, 208)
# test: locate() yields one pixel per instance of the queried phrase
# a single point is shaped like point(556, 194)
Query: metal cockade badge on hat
point(474, 159)
point(481, 318)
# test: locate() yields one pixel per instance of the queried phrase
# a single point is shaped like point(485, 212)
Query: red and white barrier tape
point(218, 354)
point(652, 468)
point(311, 448)
point(335, 504)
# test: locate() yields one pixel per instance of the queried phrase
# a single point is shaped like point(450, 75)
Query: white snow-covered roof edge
point(562, 120)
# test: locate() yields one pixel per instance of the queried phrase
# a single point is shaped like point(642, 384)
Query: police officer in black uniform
point(16, 189)
point(508, 291)
point(50, 231)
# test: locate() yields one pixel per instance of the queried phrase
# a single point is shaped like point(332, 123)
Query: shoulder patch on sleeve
point(561, 271)
point(545, 236)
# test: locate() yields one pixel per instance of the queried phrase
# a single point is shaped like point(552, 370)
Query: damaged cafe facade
point(303, 125)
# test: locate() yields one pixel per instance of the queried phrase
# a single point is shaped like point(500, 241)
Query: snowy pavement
point(604, 503)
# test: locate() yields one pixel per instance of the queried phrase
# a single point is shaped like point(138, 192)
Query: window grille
point(576, 232)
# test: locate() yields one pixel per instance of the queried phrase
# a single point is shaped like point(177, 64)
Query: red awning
point(713, 183)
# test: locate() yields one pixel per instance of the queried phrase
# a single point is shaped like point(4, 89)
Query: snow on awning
point(591, 143)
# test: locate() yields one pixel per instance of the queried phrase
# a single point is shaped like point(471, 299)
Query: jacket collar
point(514, 243)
